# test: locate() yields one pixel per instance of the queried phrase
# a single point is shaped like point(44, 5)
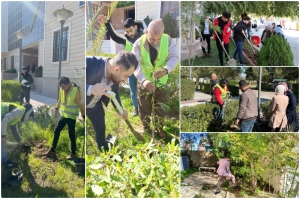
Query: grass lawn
point(214, 60)
point(45, 177)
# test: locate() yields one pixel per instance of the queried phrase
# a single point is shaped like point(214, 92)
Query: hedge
point(296, 91)
point(39, 72)
point(187, 89)
point(233, 88)
point(10, 91)
point(266, 87)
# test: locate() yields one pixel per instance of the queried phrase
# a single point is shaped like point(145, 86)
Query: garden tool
point(80, 162)
point(202, 42)
point(249, 44)
point(231, 61)
point(112, 96)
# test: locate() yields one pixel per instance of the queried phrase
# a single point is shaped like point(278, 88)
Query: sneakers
point(10, 165)
point(204, 55)
point(71, 156)
point(49, 153)
point(243, 64)
point(217, 192)
point(135, 112)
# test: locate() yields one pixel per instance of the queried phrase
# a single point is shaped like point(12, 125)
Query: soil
point(249, 53)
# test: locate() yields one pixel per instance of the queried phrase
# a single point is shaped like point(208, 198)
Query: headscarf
point(279, 89)
point(285, 87)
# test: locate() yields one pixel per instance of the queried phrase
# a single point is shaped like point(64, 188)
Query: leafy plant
point(187, 89)
point(39, 72)
point(11, 71)
point(122, 4)
point(147, 20)
point(10, 91)
point(171, 27)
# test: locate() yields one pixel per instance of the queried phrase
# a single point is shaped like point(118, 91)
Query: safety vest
point(223, 92)
point(69, 109)
point(160, 62)
point(5, 109)
point(128, 46)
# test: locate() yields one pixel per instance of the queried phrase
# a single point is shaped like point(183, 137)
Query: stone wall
point(201, 158)
point(9, 76)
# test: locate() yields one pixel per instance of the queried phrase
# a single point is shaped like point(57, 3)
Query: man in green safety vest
point(157, 56)
point(69, 103)
point(11, 115)
point(132, 33)
point(220, 94)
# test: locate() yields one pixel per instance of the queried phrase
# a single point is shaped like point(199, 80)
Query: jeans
point(248, 33)
point(220, 113)
point(26, 94)
point(221, 50)
point(222, 178)
point(247, 126)
point(132, 80)
point(3, 154)
point(238, 50)
point(60, 125)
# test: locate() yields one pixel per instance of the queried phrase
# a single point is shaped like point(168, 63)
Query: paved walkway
point(37, 99)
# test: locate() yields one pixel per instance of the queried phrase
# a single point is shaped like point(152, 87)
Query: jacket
point(277, 112)
point(224, 167)
point(28, 79)
point(238, 35)
point(291, 113)
point(248, 106)
point(226, 32)
point(217, 93)
point(95, 67)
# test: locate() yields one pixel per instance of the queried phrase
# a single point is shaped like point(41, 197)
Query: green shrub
point(10, 91)
point(171, 27)
point(11, 71)
point(276, 52)
point(149, 171)
point(39, 72)
point(205, 88)
point(187, 89)
point(147, 20)
point(266, 87)
point(296, 90)
point(233, 88)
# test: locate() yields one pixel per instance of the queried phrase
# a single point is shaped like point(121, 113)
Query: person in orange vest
point(220, 93)
point(69, 104)
point(157, 56)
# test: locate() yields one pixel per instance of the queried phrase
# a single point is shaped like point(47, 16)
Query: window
point(56, 43)
point(81, 4)
point(171, 7)
point(4, 63)
point(12, 62)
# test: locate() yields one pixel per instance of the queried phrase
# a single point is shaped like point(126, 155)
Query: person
point(248, 26)
point(206, 34)
point(11, 115)
point(157, 57)
point(278, 31)
point(25, 86)
point(248, 108)
point(238, 37)
point(220, 94)
point(277, 111)
point(224, 172)
point(266, 33)
point(273, 26)
point(105, 74)
point(283, 23)
point(214, 81)
point(27, 67)
point(132, 33)
point(33, 67)
point(224, 35)
point(291, 113)
point(69, 103)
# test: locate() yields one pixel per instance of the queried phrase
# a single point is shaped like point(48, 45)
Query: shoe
point(10, 165)
point(71, 156)
point(204, 55)
point(135, 112)
point(111, 139)
point(49, 153)
point(217, 192)
point(161, 134)
point(243, 64)
point(238, 187)
point(209, 55)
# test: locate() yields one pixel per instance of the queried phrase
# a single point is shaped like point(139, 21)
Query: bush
point(233, 88)
point(275, 52)
point(266, 87)
point(205, 88)
point(187, 89)
point(171, 27)
point(10, 91)
point(296, 90)
point(11, 71)
point(39, 72)
point(147, 20)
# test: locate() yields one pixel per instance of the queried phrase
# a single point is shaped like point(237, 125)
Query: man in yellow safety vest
point(69, 103)
point(157, 56)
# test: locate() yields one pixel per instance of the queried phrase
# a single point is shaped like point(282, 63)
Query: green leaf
point(97, 190)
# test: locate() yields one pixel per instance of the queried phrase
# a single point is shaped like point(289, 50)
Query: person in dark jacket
point(25, 86)
point(214, 81)
point(33, 67)
point(132, 33)
point(206, 34)
point(266, 34)
point(105, 74)
point(224, 24)
point(238, 36)
point(291, 113)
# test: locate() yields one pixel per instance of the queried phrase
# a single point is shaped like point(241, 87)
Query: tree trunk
point(197, 82)
point(254, 179)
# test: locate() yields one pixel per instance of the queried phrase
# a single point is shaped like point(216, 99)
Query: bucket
point(79, 166)
point(255, 40)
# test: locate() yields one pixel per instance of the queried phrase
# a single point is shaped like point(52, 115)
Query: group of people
point(271, 29)
point(149, 56)
point(222, 37)
point(282, 112)
point(32, 67)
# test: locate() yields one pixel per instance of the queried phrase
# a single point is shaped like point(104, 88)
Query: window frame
point(68, 51)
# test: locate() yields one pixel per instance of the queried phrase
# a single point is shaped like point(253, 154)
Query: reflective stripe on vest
point(5, 110)
point(223, 92)
point(128, 46)
point(160, 62)
point(68, 108)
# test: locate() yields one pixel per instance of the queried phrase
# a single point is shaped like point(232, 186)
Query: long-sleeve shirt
point(16, 113)
point(224, 167)
point(28, 81)
point(217, 93)
point(172, 60)
point(248, 107)
point(77, 100)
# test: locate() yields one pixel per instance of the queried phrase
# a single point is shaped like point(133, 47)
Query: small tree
point(147, 20)
point(171, 27)
point(276, 52)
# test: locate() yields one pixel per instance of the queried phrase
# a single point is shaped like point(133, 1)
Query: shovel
point(202, 42)
point(231, 61)
point(112, 96)
point(249, 44)
point(80, 163)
